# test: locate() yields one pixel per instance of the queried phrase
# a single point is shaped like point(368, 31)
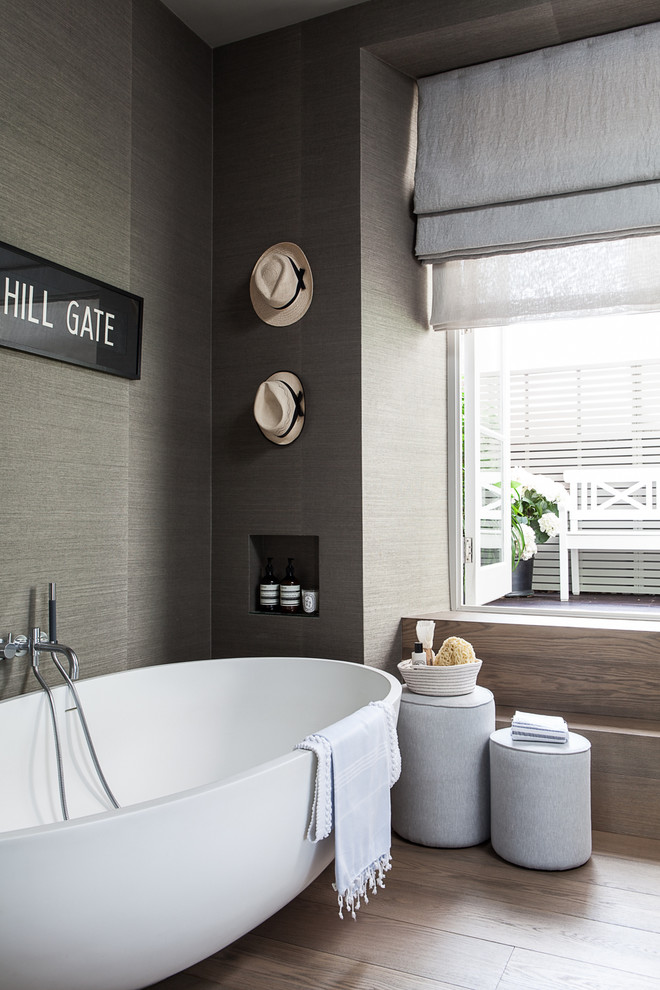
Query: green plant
point(535, 501)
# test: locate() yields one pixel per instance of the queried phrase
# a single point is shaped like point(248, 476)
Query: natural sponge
point(453, 651)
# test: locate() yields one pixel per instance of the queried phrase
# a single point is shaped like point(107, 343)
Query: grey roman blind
point(553, 147)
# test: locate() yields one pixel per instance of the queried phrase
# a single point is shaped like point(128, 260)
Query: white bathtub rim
point(393, 695)
point(232, 780)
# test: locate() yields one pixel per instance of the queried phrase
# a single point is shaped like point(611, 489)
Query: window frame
point(561, 613)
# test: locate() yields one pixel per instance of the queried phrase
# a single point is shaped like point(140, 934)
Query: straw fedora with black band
point(281, 285)
point(279, 407)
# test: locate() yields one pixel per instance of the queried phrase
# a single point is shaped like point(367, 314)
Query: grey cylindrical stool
point(541, 801)
point(442, 795)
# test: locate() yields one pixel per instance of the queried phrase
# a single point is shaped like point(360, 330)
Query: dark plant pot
point(521, 579)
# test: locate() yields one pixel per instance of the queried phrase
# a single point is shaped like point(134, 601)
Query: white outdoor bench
point(617, 504)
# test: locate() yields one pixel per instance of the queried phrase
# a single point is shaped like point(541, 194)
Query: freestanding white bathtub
point(209, 839)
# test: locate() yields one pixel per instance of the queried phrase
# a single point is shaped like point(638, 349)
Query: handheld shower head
point(52, 613)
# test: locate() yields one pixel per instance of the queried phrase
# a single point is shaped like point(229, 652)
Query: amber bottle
point(290, 590)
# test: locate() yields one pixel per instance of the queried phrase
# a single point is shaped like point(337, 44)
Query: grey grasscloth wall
point(105, 484)
point(285, 170)
point(403, 377)
point(313, 145)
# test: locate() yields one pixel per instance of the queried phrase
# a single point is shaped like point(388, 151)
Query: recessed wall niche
point(305, 553)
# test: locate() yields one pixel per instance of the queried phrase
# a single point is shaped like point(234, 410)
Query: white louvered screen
point(599, 416)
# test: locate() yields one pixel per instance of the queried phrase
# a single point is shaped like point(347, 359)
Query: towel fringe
point(395, 752)
point(370, 879)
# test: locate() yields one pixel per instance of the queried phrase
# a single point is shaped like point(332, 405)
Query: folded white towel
point(528, 727)
point(358, 760)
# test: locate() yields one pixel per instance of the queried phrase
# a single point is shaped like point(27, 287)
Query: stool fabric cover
point(442, 796)
point(541, 801)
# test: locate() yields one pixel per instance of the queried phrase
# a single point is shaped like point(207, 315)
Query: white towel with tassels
point(357, 762)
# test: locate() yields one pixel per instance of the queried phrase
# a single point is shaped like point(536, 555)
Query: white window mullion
point(487, 505)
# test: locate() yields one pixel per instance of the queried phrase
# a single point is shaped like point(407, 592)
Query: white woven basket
point(460, 678)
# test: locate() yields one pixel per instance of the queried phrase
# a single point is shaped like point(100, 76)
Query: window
point(550, 397)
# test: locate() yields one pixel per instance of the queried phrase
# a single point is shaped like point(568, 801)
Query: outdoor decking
point(628, 606)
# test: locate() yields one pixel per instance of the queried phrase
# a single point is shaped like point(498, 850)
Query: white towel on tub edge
point(358, 760)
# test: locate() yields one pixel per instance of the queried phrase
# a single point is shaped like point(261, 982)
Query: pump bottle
point(268, 589)
point(290, 590)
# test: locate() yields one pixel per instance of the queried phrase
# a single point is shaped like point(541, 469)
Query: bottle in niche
point(290, 590)
point(269, 589)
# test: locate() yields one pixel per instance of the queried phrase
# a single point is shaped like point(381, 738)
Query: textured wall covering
point(403, 374)
point(90, 493)
point(169, 455)
point(325, 161)
point(65, 195)
point(285, 168)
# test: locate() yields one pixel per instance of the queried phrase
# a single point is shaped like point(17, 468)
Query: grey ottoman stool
point(540, 797)
point(441, 797)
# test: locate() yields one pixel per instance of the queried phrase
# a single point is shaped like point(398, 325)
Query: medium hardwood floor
point(461, 919)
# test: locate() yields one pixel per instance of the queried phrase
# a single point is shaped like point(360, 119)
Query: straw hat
point(279, 407)
point(281, 285)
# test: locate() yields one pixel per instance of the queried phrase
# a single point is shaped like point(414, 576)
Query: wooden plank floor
point(461, 919)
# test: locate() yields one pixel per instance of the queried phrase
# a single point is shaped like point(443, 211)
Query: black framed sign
point(49, 310)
